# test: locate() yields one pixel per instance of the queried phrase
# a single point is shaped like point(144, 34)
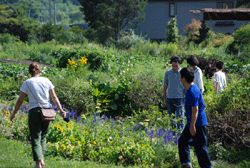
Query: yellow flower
point(72, 62)
point(6, 112)
point(83, 60)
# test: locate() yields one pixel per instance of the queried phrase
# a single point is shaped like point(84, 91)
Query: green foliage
point(128, 39)
point(95, 57)
point(144, 91)
point(229, 114)
point(75, 94)
point(172, 31)
point(47, 11)
point(111, 98)
point(18, 154)
point(8, 38)
point(108, 18)
point(241, 41)
point(203, 32)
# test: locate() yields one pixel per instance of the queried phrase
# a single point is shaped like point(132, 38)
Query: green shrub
point(75, 94)
point(95, 57)
point(144, 91)
point(241, 40)
point(128, 39)
point(8, 38)
point(111, 98)
point(229, 114)
point(71, 36)
point(48, 32)
point(172, 31)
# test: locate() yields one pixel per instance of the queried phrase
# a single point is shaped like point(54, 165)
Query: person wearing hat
point(173, 93)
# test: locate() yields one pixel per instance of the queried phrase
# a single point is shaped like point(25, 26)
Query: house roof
point(224, 14)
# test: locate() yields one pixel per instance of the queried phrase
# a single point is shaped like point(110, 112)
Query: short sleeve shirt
point(220, 78)
point(194, 98)
point(37, 89)
point(174, 87)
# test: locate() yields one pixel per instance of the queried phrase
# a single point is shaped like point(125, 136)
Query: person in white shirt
point(220, 81)
point(39, 91)
point(193, 62)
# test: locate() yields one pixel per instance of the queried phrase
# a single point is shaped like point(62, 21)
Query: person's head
point(34, 69)
point(192, 61)
point(175, 61)
point(219, 65)
point(187, 75)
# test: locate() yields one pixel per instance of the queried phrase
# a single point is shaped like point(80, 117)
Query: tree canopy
point(108, 18)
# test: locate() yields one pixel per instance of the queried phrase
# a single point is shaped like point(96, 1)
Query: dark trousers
point(200, 146)
point(38, 130)
point(176, 108)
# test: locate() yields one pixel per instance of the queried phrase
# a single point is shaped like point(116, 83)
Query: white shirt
point(220, 78)
point(198, 78)
point(37, 89)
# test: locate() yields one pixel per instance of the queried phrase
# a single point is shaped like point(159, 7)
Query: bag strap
point(33, 95)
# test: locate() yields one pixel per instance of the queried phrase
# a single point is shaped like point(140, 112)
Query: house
point(224, 20)
point(159, 12)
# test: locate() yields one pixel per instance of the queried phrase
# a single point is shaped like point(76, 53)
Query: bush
point(71, 36)
point(192, 30)
point(128, 39)
point(75, 94)
point(48, 32)
point(229, 115)
point(172, 31)
point(8, 38)
point(144, 92)
point(241, 40)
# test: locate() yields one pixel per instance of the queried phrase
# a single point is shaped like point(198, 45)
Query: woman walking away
point(39, 91)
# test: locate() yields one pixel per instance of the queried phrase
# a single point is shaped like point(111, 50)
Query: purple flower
point(150, 134)
point(78, 119)
point(168, 137)
point(104, 118)
point(137, 127)
point(160, 132)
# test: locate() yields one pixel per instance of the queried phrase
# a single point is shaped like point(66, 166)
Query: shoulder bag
point(48, 114)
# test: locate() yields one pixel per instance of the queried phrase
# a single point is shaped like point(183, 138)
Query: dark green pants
point(38, 130)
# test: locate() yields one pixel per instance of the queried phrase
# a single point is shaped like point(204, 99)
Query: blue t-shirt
point(194, 98)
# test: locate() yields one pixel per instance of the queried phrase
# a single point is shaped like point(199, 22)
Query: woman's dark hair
point(175, 59)
point(193, 61)
point(188, 74)
point(34, 68)
point(219, 65)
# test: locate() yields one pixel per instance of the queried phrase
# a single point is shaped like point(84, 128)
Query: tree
point(108, 17)
point(172, 31)
point(203, 32)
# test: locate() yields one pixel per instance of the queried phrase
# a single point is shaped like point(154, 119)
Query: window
point(172, 9)
point(225, 5)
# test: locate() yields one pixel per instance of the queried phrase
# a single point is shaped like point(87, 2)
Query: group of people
point(183, 89)
point(183, 94)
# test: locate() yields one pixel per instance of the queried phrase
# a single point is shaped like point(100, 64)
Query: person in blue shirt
point(195, 128)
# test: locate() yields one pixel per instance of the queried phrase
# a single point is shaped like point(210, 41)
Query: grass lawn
point(15, 154)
